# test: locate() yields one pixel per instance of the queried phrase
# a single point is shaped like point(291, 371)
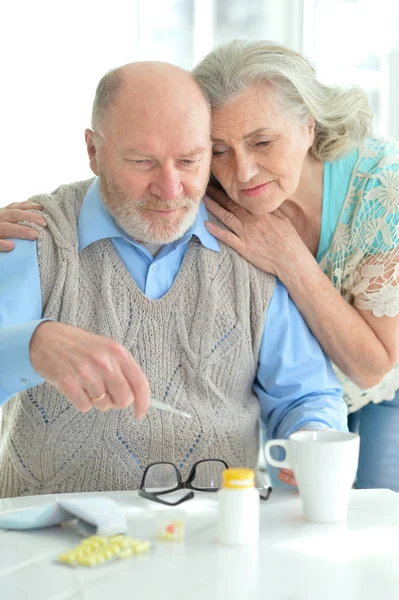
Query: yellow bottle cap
point(238, 478)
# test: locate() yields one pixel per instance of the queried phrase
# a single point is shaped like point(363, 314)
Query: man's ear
point(92, 150)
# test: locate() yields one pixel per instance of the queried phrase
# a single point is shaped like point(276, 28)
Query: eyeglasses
point(163, 478)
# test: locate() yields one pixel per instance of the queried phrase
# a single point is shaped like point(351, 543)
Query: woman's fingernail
point(8, 245)
point(33, 235)
point(42, 222)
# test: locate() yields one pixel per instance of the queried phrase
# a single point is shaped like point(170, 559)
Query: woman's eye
point(216, 152)
point(263, 144)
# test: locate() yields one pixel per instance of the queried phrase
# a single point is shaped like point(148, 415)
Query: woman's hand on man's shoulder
point(10, 228)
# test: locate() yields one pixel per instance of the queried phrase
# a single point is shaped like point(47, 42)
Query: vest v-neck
point(190, 257)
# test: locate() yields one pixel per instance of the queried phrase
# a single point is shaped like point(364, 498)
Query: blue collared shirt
point(295, 383)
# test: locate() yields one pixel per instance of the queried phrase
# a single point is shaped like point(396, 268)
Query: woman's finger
point(10, 230)
point(226, 217)
point(6, 246)
point(14, 215)
point(287, 476)
point(224, 200)
point(279, 214)
point(27, 205)
point(228, 237)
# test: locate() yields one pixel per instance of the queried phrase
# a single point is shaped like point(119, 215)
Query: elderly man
point(125, 289)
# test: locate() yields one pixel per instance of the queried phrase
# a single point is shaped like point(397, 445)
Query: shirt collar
point(95, 223)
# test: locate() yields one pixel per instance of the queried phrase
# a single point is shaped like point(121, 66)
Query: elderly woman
point(310, 197)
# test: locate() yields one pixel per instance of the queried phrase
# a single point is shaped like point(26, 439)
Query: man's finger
point(78, 397)
point(139, 385)
point(120, 391)
point(104, 403)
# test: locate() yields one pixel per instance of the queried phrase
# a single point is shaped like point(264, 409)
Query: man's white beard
point(128, 214)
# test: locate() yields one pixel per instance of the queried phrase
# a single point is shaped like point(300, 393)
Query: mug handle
point(280, 464)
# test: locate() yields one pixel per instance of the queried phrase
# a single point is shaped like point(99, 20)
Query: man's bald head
point(151, 149)
point(144, 82)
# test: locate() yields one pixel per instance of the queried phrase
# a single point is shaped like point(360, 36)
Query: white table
point(294, 560)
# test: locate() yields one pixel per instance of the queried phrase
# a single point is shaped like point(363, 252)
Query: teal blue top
point(359, 242)
point(336, 178)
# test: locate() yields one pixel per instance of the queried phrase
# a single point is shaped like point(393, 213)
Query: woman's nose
point(246, 169)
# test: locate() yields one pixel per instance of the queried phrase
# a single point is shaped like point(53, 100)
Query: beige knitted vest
point(198, 346)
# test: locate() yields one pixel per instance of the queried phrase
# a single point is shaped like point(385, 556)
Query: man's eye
point(263, 144)
point(216, 152)
point(140, 163)
point(187, 161)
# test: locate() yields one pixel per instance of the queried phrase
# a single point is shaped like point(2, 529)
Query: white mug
point(324, 465)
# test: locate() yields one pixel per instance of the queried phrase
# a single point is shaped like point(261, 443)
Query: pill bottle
point(238, 508)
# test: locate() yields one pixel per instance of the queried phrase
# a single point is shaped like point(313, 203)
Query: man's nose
point(167, 185)
point(246, 168)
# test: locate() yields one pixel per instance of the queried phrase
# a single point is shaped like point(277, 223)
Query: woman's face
point(258, 152)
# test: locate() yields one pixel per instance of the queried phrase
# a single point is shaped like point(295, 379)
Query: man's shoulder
point(61, 210)
point(228, 258)
point(64, 193)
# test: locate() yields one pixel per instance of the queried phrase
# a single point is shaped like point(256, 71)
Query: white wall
point(53, 54)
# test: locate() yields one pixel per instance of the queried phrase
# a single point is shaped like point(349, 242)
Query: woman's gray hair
point(343, 116)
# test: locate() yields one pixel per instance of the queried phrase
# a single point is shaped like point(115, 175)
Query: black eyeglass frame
point(181, 485)
point(154, 496)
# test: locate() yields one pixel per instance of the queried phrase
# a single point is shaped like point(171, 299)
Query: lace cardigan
point(363, 259)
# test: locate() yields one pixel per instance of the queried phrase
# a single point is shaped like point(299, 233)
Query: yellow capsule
point(99, 558)
point(141, 547)
point(122, 544)
point(95, 541)
point(68, 558)
point(87, 561)
point(117, 537)
point(90, 546)
point(125, 553)
point(98, 538)
point(100, 554)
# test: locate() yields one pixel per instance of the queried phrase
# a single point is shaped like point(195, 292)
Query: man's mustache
point(159, 204)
